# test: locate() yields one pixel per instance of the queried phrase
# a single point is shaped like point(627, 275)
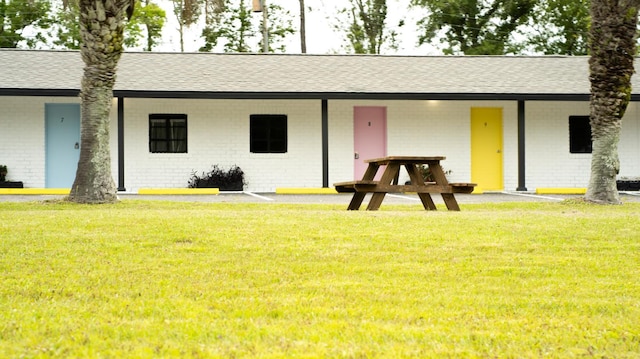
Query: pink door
point(370, 136)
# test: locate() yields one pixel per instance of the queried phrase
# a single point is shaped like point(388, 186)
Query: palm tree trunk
point(102, 25)
point(613, 34)
point(94, 182)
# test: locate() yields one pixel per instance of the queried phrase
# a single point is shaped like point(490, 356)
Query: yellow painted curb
point(306, 191)
point(35, 191)
point(179, 191)
point(561, 190)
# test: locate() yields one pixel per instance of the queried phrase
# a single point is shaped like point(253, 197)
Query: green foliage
point(279, 27)
point(3, 173)
point(235, 27)
point(474, 27)
point(425, 171)
point(213, 280)
point(147, 19)
point(18, 15)
point(560, 27)
point(366, 28)
point(66, 32)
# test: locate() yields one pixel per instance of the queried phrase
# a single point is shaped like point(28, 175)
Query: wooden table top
point(406, 159)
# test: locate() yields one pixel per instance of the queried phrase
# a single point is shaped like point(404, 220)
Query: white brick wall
point(549, 162)
point(218, 133)
point(629, 148)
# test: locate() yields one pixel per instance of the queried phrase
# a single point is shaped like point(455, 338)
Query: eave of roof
point(352, 96)
point(308, 96)
point(282, 76)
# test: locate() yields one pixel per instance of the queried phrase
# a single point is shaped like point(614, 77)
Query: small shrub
point(628, 184)
point(3, 173)
point(427, 175)
point(225, 180)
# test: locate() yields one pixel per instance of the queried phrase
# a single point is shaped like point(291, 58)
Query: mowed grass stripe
point(162, 279)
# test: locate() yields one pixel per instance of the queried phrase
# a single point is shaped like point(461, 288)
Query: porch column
point(325, 143)
point(521, 147)
point(121, 144)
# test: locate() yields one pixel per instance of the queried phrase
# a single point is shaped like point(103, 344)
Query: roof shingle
point(318, 74)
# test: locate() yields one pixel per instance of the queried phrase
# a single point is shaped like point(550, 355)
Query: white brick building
point(427, 105)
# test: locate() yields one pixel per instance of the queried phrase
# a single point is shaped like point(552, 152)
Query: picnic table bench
point(388, 182)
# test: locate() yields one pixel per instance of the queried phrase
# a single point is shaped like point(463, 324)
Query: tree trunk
point(265, 27)
point(303, 29)
point(149, 47)
point(102, 25)
point(613, 34)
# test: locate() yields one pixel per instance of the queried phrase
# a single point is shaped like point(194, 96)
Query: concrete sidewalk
point(344, 198)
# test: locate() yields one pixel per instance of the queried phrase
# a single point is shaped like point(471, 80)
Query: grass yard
point(162, 279)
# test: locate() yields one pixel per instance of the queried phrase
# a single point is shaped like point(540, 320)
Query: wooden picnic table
point(388, 182)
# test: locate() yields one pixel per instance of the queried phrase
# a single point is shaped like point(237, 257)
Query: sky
point(321, 38)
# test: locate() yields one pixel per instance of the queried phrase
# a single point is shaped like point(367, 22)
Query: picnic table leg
point(358, 197)
point(450, 201)
point(356, 201)
point(371, 171)
point(416, 179)
point(441, 179)
point(387, 177)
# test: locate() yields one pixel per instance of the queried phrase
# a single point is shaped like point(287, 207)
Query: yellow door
point(486, 148)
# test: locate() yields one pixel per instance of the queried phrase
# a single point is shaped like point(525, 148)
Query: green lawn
point(161, 279)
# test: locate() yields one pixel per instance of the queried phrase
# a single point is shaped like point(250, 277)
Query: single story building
point(307, 121)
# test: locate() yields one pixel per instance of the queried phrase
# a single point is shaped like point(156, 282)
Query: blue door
point(62, 138)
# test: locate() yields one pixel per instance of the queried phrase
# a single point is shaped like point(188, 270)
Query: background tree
point(149, 16)
point(102, 25)
point(66, 31)
point(474, 27)
point(236, 28)
point(366, 28)
point(613, 46)
point(560, 27)
point(18, 15)
point(187, 13)
point(231, 25)
point(280, 26)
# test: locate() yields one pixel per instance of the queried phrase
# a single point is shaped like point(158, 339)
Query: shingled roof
point(207, 75)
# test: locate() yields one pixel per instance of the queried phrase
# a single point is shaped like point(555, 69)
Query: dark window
point(579, 134)
point(268, 134)
point(167, 133)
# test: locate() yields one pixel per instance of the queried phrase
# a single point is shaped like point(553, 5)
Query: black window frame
point(580, 135)
point(167, 143)
point(268, 133)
